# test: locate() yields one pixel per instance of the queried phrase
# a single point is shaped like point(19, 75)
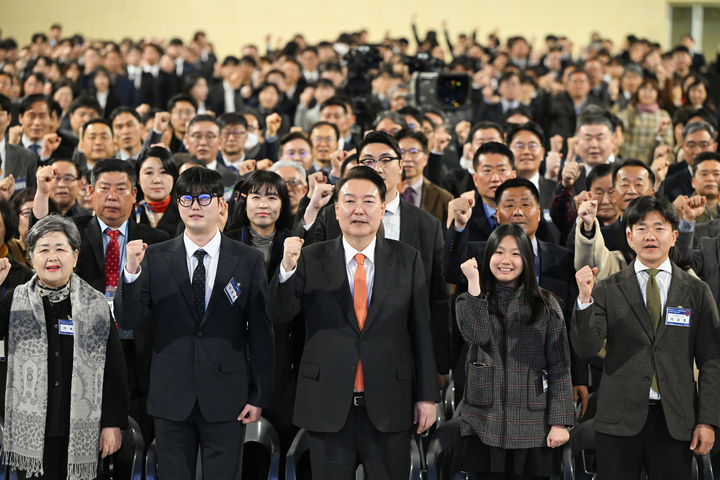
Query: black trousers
point(54, 460)
point(383, 455)
point(653, 449)
point(221, 446)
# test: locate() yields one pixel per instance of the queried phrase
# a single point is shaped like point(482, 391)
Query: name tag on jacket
point(679, 317)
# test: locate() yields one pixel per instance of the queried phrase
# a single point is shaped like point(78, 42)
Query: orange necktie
point(360, 305)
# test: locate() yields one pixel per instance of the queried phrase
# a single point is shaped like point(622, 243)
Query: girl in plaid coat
point(518, 396)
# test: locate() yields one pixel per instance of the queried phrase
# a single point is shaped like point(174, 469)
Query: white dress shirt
point(391, 220)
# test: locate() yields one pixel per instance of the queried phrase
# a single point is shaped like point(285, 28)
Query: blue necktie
point(36, 149)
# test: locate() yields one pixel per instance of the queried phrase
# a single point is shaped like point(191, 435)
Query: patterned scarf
point(27, 379)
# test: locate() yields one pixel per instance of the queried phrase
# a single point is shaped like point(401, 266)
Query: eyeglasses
point(203, 199)
point(66, 178)
point(210, 137)
point(532, 146)
point(322, 139)
point(411, 151)
point(701, 145)
point(297, 153)
point(293, 183)
point(371, 162)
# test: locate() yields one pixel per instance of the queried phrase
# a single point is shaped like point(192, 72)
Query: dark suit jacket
point(704, 260)
point(21, 163)
point(547, 188)
point(557, 114)
point(156, 91)
point(435, 200)
point(395, 343)
point(458, 181)
point(618, 314)
point(421, 230)
point(222, 360)
point(216, 99)
point(677, 182)
point(709, 229)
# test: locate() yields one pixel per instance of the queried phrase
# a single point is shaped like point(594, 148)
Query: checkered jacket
point(518, 374)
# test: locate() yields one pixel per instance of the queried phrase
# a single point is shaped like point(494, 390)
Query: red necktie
point(112, 259)
point(360, 305)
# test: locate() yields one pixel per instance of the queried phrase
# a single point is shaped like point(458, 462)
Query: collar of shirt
point(236, 163)
point(535, 180)
point(467, 165)
point(418, 186)
point(666, 266)
point(393, 206)
point(27, 142)
point(350, 251)
point(2, 148)
point(534, 242)
point(320, 168)
point(489, 211)
point(611, 158)
point(153, 70)
point(123, 228)
point(508, 105)
point(212, 165)
point(212, 248)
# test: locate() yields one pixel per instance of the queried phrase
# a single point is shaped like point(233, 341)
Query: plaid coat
point(518, 374)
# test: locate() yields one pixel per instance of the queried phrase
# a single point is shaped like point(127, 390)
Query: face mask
point(252, 140)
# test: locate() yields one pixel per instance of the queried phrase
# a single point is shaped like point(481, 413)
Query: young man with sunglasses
point(206, 295)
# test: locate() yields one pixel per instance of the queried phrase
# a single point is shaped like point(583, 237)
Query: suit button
point(199, 334)
point(57, 383)
point(57, 354)
point(646, 378)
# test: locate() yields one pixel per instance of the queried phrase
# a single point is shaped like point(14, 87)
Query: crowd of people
point(293, 233)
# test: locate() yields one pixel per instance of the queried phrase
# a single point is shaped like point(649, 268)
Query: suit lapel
point(631, 290)
point(336, 275)
point(176, 257)
point(94, 236)
point(406, 222)
point(226, 265)
point(383, 273)
point(676, 295)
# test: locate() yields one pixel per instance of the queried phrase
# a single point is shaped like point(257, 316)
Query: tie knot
point(652, 272)
point(200, 254)
point(360, 258)
point(113, 234)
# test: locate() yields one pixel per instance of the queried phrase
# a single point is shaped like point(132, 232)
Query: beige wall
point(231, 24)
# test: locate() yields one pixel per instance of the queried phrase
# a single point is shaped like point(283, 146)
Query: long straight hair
point(535, 297)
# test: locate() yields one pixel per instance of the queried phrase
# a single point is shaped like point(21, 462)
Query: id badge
point(66, 327)
point(678, 317)
point(232, 291)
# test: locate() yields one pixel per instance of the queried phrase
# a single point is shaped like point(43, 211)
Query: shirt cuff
point(583, 306)
point(686, 226)
point(459, 230)
point(131, 277)
point(284, 276)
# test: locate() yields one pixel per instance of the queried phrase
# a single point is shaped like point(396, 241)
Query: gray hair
point(292, 164)
point(696, 127)
point(394, 117)
point(53, 223)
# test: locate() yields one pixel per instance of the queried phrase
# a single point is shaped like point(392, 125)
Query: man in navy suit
point(212, 358)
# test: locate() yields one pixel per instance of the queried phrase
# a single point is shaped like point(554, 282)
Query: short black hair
point(485, 125)
point(516, 182)
point(199, 180)
point(27, 102)
point(203, 118)
point(531, 127)
point(413, 112)
point(10, 219)
point(379, 137)
point(232, 118)
point(351, 159)
point(632, 162)
point(85, 101)
point(334, 101)
point(416, 135)
point(362, 172)
point(520, 110)
point(165, 157)
point(704, 157)
point(496, 148)
point(93, 121)
point(125, 109)
point(181, 97)
point(640, 207)
point(597, 172)
point(5, 104)
point(294, 136)
point(324, 124)
point(113, 165)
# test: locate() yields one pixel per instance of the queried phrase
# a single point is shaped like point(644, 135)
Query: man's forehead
point(517, 193)
point(492, 159)
point(486, 133)
point(113, 177)
point(204, 127)
point(376, 149)
point(631, 171)
point(359, 187)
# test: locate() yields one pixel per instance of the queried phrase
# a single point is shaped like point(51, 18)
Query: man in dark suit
point(113, 200)
point(156, 85)
point(697, 137)
point(202, 140)
point(402, 221)
point(460, 180)
point(213, 350)
point(367, 371)
point(420, 191)
point(509, 91)
point(657, 321)
point(14, 160)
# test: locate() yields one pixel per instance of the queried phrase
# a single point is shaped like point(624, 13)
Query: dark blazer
point(223, 360)
point(21, 163)
point(395, 344)
point(216, 99)
point(435, 200)
point(704, 260)
point(618, 314)
point(156, 91)
point(546, 190)
point(677, 182)
point(557, 114)
point(421, 230)
point(708, 229)
point(458, 181)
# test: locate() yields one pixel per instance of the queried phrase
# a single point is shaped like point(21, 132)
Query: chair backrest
point(264, 433)
point(299, 446)
point(151, 470)
point(444, 438)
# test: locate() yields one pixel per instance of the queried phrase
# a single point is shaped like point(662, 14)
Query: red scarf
point(159, 207)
